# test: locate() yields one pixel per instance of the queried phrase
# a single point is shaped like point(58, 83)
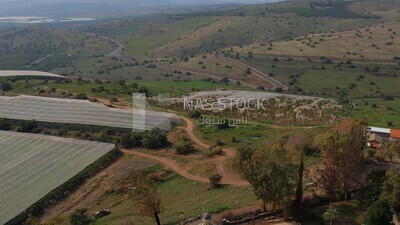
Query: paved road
point(117, 52)
point(258, 73)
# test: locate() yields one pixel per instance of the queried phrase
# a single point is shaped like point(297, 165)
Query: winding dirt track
point(170, 163)
point(228, 177)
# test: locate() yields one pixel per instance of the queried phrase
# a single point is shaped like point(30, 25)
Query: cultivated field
point(32, 165)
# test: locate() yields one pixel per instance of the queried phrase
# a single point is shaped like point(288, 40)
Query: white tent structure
point(26, 73)
point(74, 111)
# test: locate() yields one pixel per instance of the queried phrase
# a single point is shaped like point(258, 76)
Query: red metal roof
point(395, 133)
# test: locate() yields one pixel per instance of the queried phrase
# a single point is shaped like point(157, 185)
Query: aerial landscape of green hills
point(308, 134)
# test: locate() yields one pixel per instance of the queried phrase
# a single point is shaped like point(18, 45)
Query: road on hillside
point(117, 52)
point(207, 75)
point(258, 73)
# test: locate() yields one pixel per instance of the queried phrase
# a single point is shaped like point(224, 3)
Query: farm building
point(377, 136)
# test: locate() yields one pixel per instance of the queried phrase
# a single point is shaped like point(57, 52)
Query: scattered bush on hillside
point(6, 86)
point(184, 148)
point(27, 126)
point(223, 126)
point(5, 125)
point(215, 180)
point(379, 213)
point(154, 139)
point(214, 150)
point(144, 90)
point(81, 96)
point(131, 139)
point(194, 114)
point(79, 217)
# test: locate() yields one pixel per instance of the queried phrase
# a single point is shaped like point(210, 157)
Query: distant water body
point(35, 19)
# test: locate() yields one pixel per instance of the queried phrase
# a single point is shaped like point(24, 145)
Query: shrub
point(219, 143)
point(82, 96)
point(144, 90)
point(5, 125)
point(184, 148)
point(194, 114)
point(379, 213)
point(215, 180)
point(79, 217)
point(6, 86)
point(131, 139)
point(223, 126)
point(154, 139)
point(214, 150)
point(27, 126)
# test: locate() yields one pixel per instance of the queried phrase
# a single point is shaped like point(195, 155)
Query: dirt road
point(170, 163)
point(228, 176)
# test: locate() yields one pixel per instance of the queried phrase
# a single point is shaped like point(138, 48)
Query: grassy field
point(317, 77)
point(182, 199)
point(373, 43)
point(256, 135)
point(223, 33)
point(378, 112)
point(112, 90)
point(217, 67)
point(388, 9)
point(140, 35)
point(337, 9)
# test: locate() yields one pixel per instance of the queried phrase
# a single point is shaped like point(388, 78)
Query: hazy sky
point(135, 1)
point(65, 8)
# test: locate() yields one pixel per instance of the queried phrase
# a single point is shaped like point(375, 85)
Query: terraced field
point(32, 165)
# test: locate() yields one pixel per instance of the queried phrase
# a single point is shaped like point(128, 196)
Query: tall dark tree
point(149, 201)
point(299, 187)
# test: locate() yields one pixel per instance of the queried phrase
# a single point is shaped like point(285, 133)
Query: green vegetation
point(271, 175)
point(325, 8)
point(379, 213)
point(154, 139)
point(184, 148)
point(342, 50)
point(80, 217)
point(194, 199)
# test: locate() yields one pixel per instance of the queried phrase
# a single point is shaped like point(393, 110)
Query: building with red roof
point(394, 134)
